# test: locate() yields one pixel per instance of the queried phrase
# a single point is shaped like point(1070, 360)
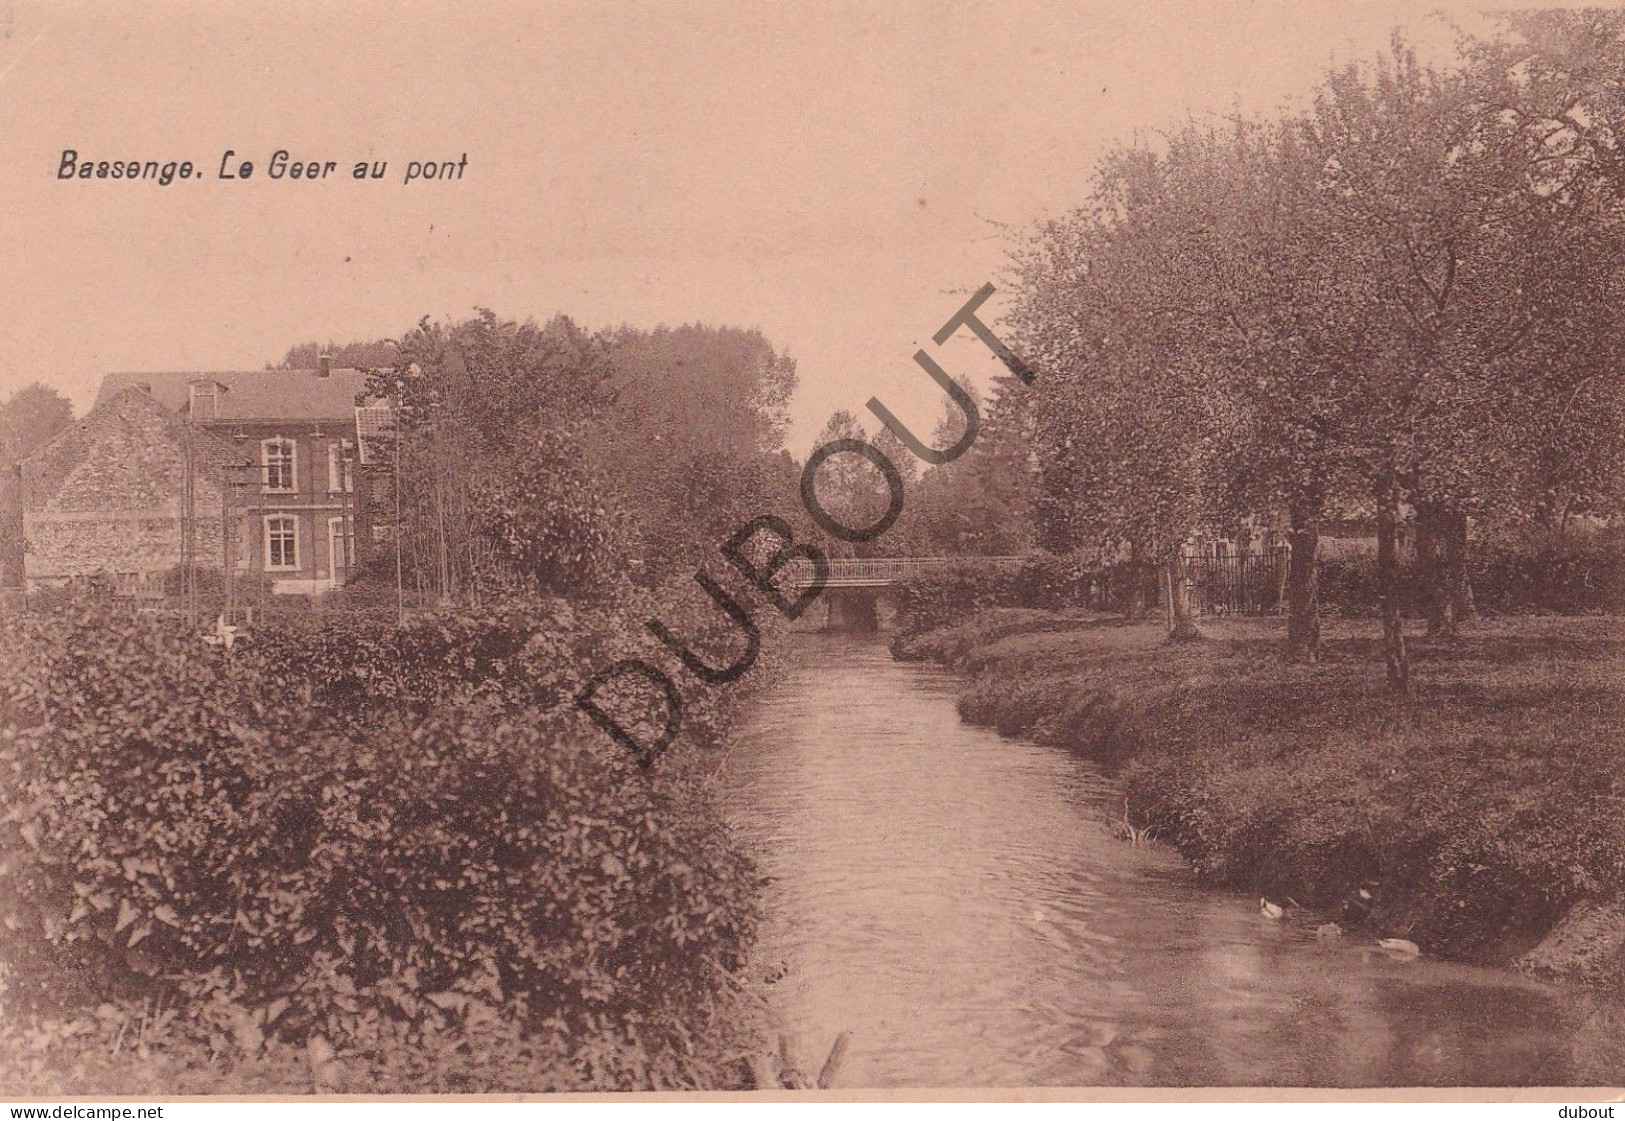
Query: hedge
point(1532, 571)
point(365, 837)
point(1543, 572)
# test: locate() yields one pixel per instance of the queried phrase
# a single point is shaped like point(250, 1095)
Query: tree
point(697, 433)
point(547, 458)
point(982, 502)
point(379, 354)
point(29, 419)
point(850, 489)
point(1556, 86)
point(1486, 232)
point(1123, 424)
point(499, 466)
point(1405, 294)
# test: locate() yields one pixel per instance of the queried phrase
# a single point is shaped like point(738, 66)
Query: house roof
point(252, 394)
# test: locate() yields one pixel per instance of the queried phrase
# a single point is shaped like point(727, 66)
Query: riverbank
point(1484, 820)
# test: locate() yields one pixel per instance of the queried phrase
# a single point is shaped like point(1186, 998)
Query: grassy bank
point(1470, 820)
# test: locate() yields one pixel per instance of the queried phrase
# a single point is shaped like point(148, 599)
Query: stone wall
point(106, 495)
point(139, 541)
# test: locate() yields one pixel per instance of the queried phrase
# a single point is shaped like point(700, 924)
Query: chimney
point(326, 367)
point(145, 387)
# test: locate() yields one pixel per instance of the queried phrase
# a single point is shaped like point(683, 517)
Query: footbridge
point(883, 572)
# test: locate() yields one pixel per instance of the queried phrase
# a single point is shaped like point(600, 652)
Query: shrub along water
point(962, 591)
point(387, 858)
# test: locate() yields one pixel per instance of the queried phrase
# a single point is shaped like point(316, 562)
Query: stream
point(955, 901)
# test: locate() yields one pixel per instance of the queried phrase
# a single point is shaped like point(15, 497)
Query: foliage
point(1401, 295)
point(1047, 580)
point(549, 522)
point(1546, 572)
point(550, 459)
point(1349, 586)
point(29, 419)
point(368, 852)
point(851, 489)
point(152, 1051)
point(1529, 570)
point(353, 355)
point(979, 503)
point(367, 836)
point(958, 592)
point(974, 590)
point(491, 471)
point(1524, 570)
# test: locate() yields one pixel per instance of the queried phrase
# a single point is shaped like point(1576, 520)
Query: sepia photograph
point(903, 551)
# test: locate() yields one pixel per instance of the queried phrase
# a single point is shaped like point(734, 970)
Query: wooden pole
point(400, 588)
point(1168, 595)
point(790, 1075)
point(344, 509)
point(22, 533)
point(225, 539)
point(186, 464)
point(442, 559)
point(188, 530)
point(832, 1065)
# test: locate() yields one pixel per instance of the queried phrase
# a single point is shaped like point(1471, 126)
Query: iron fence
point(1237, 585)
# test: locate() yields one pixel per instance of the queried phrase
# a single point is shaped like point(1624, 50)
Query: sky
point(840, 175)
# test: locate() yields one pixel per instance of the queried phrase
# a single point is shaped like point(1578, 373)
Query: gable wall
point(107, 495)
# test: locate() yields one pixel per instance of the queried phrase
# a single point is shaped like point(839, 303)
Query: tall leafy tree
point(1123, 423)
point(697, 433)
point(546, 457)
point(353, 355)
point(982, 502)
point(850, 488)
point(29, 419)
point(1402, 297)
point(1481, 237)
point(499, 467)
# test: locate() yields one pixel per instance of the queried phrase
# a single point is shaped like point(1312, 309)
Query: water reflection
point(953, 900)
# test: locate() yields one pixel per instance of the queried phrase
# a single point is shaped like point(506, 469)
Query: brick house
point(142, 481)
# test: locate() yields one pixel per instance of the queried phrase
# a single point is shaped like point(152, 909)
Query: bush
point(210, 584)
point(1043, 580)
point(1348, 586)
point(362, 834)
point(1048, 580)
point(1529, 571)
point(1544, 572)
point(508, 654)
point(953, 593)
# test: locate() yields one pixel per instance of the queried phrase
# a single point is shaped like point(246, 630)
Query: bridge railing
point(1252, 585)
point(887, 570)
